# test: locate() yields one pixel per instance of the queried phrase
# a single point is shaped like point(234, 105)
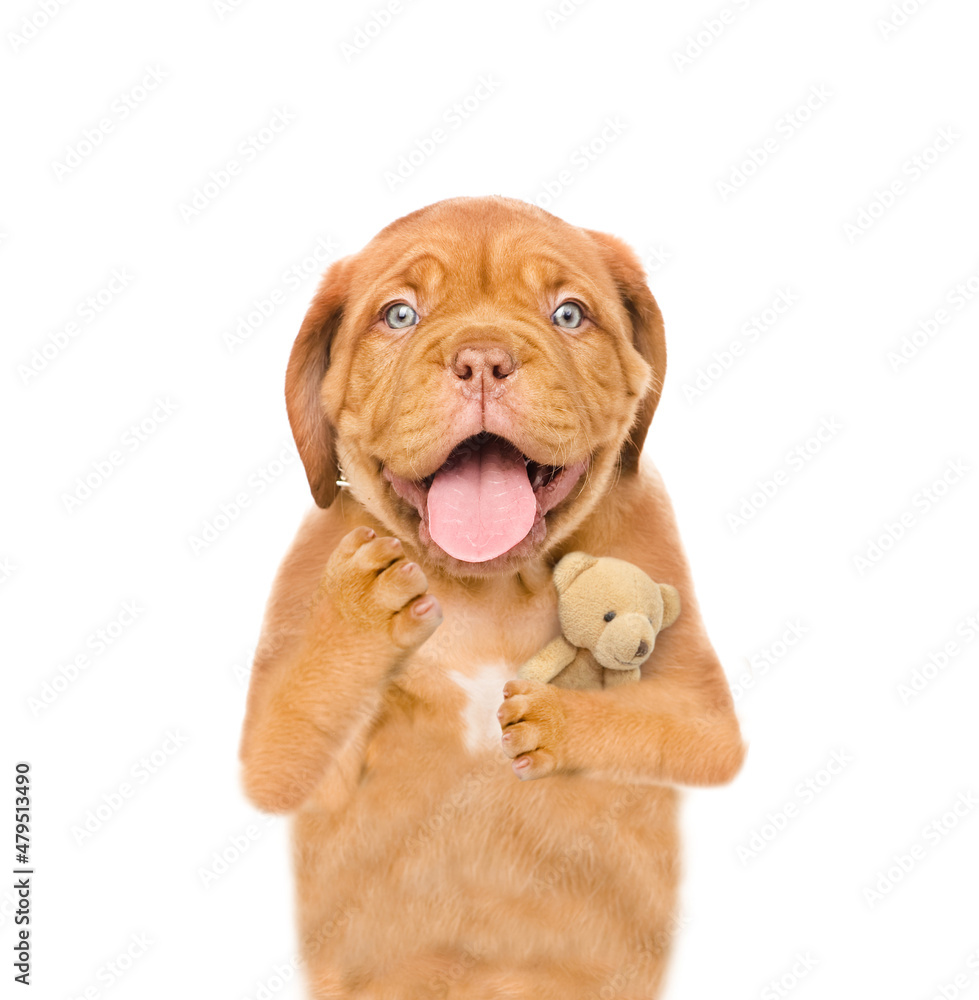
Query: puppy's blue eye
point(609, 615)
point(400, 316)
point(568, 316)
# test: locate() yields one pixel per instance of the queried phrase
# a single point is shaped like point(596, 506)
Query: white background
point(354, 105)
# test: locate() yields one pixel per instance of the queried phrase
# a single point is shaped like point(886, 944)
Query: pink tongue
point(481, 503)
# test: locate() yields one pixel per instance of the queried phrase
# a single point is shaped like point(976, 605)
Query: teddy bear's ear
point(570, 568)
point(671, 604)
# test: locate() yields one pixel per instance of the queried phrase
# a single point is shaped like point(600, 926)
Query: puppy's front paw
point(373, 585)
point(533, 720)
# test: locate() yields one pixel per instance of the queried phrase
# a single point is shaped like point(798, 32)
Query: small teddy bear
point(610, 613)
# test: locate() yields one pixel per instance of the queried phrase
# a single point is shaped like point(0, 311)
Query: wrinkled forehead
point(478, 257)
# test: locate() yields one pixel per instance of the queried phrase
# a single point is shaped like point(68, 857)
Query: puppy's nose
point(643, 648)
point(479, 363)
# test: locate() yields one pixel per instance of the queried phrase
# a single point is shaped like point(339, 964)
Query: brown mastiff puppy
point(484, 375)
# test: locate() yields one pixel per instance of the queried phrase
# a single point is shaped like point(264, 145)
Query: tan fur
point(424, 867)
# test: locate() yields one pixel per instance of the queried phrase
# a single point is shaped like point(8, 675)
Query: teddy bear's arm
point(549, 662)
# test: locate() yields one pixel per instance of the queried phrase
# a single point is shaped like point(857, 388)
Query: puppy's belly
point(441, 849)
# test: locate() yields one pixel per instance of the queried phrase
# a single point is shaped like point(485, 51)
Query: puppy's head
point(481, 371)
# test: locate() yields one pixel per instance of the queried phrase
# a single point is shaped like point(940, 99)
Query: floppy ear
point(671, 604)
point(570, 567)
point(308, 363)
point(647, 334)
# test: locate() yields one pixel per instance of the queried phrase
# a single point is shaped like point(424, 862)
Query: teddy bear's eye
point(609, 615)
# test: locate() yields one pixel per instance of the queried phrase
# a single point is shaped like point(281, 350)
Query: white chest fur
point(483, 690)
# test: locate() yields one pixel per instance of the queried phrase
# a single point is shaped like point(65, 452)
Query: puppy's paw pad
point(399, 584)
point(372, 584)
point(537, 764)
point(512, 710)
point(532, 718)
point(519, 738)
point(377, 554)
point(412, 625)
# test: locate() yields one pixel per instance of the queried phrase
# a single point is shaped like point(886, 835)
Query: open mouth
point(486, 498)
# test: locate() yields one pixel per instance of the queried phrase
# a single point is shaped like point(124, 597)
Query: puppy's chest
point(458, 675)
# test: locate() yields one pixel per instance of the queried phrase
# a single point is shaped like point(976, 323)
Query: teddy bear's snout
point(626, 642)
